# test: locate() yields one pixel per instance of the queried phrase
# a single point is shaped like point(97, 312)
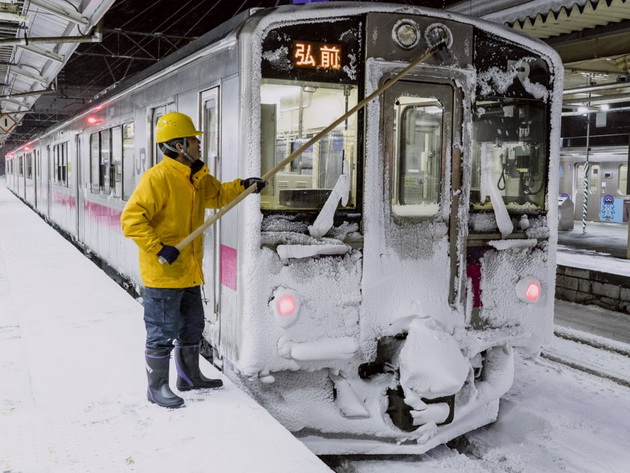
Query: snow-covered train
point(390, 320)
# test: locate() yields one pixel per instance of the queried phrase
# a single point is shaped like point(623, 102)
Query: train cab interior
point(292, 112)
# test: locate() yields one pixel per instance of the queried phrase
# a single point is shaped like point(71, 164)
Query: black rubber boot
point(188, 374)
point(159, 391)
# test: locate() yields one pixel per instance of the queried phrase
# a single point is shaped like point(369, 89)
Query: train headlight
point(528, 290)
point(406, 33)
point(285, 305)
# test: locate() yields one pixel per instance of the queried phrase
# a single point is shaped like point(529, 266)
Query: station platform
point(73, 381)
point(597, 239)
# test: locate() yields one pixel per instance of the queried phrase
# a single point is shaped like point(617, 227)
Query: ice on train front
point(393, 265)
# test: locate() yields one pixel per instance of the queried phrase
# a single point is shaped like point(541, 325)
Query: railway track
point(591, 354)
point(597, 356)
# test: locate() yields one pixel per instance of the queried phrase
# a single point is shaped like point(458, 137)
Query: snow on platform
point(601, 247)
point(73, 383)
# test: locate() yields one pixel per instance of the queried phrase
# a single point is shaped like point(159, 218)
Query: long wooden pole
point(269, 174)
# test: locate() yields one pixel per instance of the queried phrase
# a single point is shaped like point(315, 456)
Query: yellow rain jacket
point(164, 209)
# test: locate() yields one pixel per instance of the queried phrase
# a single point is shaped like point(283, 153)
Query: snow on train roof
point(322, 12)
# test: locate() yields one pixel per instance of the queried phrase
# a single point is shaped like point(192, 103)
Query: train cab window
point(128, 158)
point(60, 164)
point(623, 179)
point(292, 112)
point(509, 154)
point(418, 162)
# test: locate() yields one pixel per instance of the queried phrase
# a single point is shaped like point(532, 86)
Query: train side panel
point(606, 183)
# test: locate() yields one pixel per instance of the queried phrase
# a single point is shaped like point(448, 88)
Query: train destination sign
point(292, 52)
point(314, 55)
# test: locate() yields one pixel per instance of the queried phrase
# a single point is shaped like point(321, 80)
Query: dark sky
point(180, 21)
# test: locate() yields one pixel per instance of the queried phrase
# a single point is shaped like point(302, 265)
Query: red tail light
point(285, 305)
point(528, 290)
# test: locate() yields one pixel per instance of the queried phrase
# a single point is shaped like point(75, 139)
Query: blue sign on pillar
point(611, 209)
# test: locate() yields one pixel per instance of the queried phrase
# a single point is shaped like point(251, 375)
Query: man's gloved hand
point(260, 184)
point(196, 167)
point(168, 253)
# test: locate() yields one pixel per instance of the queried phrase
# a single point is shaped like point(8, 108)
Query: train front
point(402, 256)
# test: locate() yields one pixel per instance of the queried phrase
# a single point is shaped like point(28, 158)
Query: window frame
point(128, 159)
point(60, 164)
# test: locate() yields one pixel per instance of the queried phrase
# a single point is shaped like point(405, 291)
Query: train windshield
point(509, 154)
point(292, 112)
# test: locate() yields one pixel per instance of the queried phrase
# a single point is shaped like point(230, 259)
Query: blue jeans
point(171, 314)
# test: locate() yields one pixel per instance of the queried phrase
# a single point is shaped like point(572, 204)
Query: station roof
point(45, 74)
point(592, 38)
point(37, 38)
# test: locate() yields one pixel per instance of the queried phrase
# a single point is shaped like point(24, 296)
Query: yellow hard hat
point(174, 125)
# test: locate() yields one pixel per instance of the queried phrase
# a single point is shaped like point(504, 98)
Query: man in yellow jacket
point(168, 204)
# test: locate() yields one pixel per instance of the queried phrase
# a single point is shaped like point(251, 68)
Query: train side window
point(94, 163)
point(29, 165)
point(117, 169)
point(60, 164)
point(418, 166)
point(156, 113)
point(593, 178)
point(623, 179)
point(66, 163)
point(211, 135)
point(55, 166)
point(105, 162)
point(128, 155)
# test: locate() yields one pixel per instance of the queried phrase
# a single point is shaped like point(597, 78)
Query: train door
point(418, 258)
point(210, 150)
point(41, 186)
point(78, 189)
point(594, 185)
point(154, 116)
point(48, 179)
point(35, 176)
